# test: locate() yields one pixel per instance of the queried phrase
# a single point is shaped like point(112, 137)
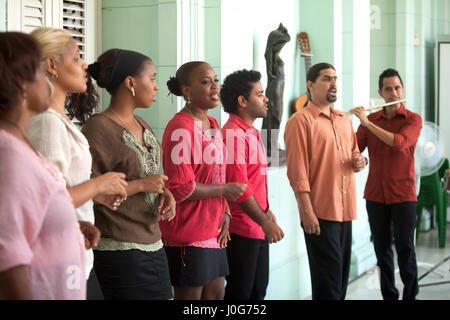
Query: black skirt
point(196, 267)
point(133, 274)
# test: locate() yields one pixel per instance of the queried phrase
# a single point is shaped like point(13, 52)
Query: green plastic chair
point(432, 194)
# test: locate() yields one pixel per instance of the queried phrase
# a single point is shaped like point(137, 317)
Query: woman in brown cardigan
point(130, 261)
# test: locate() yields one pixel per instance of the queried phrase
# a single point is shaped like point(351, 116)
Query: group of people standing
point(171, 219)
point(157, 233)
point(323, 153)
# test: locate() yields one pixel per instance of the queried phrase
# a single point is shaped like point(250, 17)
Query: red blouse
point(191, 155)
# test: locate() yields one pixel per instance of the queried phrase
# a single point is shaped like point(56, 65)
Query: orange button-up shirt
point(319, 152)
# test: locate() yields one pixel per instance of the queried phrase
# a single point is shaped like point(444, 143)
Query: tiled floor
point(428, 255)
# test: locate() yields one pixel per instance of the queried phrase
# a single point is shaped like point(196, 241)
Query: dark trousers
point(248, 260)
point(329, 259)
point(94, 292)
point(394, 222)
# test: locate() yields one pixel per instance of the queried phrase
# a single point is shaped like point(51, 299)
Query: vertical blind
point(74, 21)
point(33, 15)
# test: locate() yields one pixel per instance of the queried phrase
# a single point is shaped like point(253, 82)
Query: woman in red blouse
point(193, 159)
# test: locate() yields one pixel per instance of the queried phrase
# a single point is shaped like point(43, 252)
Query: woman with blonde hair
point(62, 143)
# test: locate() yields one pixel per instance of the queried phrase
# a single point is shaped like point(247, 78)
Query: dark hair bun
point(93, 70)
point(174, 86)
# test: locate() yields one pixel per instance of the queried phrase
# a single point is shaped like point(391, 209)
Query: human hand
point(168, 205)
point(273, 232)
point(110, 201)
point(154, 183)
point(111, 183)
point(360, 112)
point(91, 234)
point(233, 190)
point(224, 235)
point(310, 224)
point(358, 162)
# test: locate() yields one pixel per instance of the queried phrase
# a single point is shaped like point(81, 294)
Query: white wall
point(245, 28)
point(363, 254)
point(2, 15)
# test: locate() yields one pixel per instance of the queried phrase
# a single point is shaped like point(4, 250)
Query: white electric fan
point(429, 154)
point(428, 158)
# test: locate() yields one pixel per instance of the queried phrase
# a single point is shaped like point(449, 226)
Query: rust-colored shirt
point(319, 152)
point(391, 171)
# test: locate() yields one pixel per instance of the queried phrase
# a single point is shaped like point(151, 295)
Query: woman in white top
point(61, 142)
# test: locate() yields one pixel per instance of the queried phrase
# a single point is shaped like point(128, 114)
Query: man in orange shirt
point(322, 156)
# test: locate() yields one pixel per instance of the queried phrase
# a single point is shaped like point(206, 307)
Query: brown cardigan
point(112, 149)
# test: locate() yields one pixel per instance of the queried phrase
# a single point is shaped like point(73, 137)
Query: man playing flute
point(390, 135)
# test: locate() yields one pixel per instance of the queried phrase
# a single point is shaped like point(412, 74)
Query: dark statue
point(275, 84)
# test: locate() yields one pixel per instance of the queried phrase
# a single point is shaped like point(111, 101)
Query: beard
point(331, 99)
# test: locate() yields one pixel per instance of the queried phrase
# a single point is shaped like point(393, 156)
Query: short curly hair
point(239, 83)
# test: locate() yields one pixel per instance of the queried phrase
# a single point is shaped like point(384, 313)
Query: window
point(76, 16)
point(33, 15)
point(25, 15)
point(73, 20)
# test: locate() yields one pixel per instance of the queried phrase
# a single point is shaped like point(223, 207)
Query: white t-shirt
point(66, 148)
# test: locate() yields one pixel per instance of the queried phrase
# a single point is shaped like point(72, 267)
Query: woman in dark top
point(130, 261)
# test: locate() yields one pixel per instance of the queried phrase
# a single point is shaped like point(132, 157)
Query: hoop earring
point(132, 92)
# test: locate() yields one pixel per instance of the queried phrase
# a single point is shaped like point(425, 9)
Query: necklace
point(123, 123)
point(22, 134)
point(189, 111)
